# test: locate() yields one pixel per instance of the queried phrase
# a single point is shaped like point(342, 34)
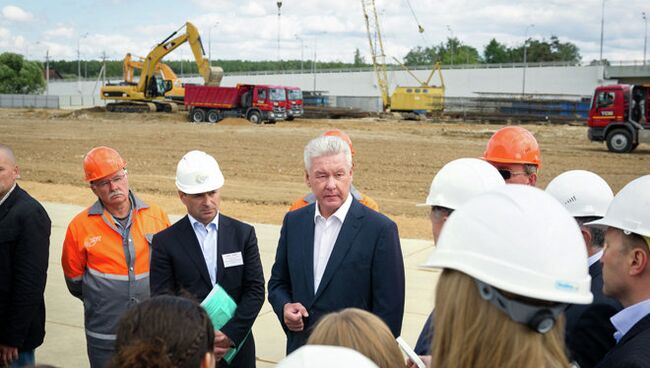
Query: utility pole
point(523, 81)
point(645, 38)
point(279, 13)
point(210, 43)
point(47, 72)
point(451, 43)
point(302, 55)
point(79, 61)
point(602, 31)
point(313, 63)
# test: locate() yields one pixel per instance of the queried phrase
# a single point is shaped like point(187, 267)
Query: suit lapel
point(223, 241)
point(4, 209)
point(639, 327)
point(193, 249)
point(595, 270)
point(348, 232)
point(307, 223)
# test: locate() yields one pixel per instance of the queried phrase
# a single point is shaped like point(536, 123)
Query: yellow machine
point(420, 99)
point(149, 93)
point(162, 70)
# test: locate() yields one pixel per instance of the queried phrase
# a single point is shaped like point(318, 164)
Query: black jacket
point(589, 332)
point(178, 266)
point(24, 250)
point(633, 351)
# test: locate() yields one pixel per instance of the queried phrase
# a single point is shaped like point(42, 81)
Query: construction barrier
point(29, 101)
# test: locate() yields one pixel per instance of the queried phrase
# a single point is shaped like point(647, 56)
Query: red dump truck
point(620, 116)
point(255, 102)
point(295, 107)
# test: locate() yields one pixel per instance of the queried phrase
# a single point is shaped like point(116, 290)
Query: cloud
point(17, 14)
point(62, 31)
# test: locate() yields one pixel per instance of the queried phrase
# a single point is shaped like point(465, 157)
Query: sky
point(331, 29)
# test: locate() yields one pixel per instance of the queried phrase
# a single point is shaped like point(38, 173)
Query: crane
point(420, 99)
point(149, 93)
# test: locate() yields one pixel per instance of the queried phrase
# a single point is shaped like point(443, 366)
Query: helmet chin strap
point(538, 318)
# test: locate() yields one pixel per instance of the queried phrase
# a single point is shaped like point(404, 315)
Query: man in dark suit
point(626, 273)
point(335, 253)
point(24, 249)
point(206, 248)
point(589, 334)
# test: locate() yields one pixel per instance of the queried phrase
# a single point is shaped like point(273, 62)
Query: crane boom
point(376, 49)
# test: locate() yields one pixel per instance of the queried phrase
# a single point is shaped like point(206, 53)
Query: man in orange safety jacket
point(106, 251)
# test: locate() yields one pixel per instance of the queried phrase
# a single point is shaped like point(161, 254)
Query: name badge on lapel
point(232, 259)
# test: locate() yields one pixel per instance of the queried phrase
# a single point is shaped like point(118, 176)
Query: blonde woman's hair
point(362, 331)
point(471, 332)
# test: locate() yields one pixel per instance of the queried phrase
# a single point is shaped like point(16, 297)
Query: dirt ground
point(395, 160)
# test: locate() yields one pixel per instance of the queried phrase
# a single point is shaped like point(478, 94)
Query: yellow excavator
point(164, 71)
point(148, 95)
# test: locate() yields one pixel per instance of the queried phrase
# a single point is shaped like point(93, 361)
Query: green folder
point(220, 308)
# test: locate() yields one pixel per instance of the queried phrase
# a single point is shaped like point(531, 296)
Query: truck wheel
point(290, 118)
point(198, 115)
point(254, 117)
point(619, 141)
point(214, 116)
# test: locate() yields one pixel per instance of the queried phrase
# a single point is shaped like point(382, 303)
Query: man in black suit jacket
point(335, 253)
point(24, 249)
point(589, 334)
point(626, 273)
point(206, 248)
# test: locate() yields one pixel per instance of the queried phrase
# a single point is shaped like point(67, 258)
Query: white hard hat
point(461, 179)
point(518, 239)
point(323, 356)
point(198, 172)
point(630, 208)
point(582, 193)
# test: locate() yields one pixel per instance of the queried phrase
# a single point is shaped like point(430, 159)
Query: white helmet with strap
point(197, 172)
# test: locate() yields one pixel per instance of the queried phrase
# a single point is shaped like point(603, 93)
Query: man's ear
point(586, 235)
point(638, 261)
point(307, 179)
point(532, 179)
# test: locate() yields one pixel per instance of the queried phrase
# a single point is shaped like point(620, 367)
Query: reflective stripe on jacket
point(311, 198)
point(107, 267)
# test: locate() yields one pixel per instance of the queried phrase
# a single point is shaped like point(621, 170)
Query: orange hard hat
point(513, 145)
point(102, 161)
point(339, 133)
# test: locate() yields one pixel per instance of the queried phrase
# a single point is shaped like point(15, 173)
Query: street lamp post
point(210, 43)
point(79, 61)
point(523, 81)
point(645, 38)
point(302, 54)
point(313, 63)
point(602, 30)
point(279, 13)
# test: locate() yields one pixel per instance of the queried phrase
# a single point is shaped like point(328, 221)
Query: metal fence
point(29, 101)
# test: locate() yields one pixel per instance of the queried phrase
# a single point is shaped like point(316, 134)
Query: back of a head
point(359, 330)
point(522, 261)
point(460, 180)
point(164, 331)
point(513, 145)
point(322, 356)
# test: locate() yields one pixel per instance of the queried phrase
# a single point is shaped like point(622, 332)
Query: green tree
point(496, 52)
point(358, 59)
point(451, 52)
point(20, 76)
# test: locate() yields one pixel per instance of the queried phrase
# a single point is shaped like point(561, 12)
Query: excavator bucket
point(216, 74)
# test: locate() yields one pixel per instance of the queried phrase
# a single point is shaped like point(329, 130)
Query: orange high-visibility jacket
point(105, 269)
point(311, 198)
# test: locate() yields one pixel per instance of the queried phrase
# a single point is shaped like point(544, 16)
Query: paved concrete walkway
point(65, 344)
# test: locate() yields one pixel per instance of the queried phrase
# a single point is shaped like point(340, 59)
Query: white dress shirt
point(624, 320)
point(8, 194)
point(326, 231)
point(207, 237)
point(594, 258)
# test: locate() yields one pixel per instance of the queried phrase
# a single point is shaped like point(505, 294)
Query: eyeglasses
point(115, 180)
point(507, 174)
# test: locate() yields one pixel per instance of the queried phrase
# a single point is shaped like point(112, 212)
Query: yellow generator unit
point(418, 99)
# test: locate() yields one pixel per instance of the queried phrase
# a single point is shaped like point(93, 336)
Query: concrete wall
point(557, 80)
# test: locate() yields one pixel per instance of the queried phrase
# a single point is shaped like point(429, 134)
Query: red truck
point(295, 107)
point(255, 102)
point(619, 115)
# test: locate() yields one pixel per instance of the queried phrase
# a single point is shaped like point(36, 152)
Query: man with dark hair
point(24, 249)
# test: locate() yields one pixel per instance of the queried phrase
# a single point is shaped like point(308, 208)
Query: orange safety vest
point(311, 198)
point(107, 267)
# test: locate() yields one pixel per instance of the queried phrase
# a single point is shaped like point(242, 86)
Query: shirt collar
point(624, 320)
point(8, 194)
point(195, 222)
point(340, 213)
point(595, 258)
